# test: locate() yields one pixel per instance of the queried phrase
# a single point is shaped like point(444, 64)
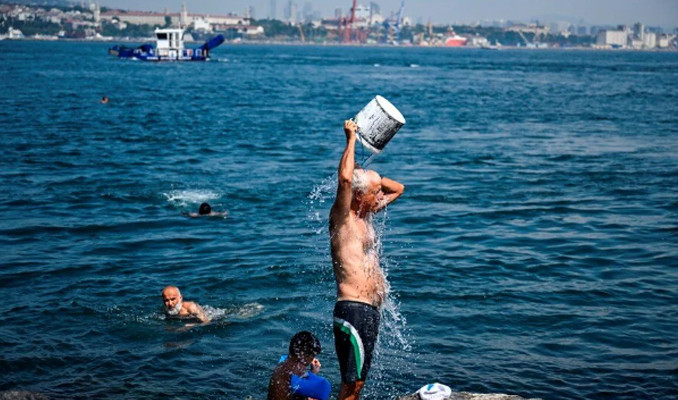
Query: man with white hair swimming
point(361, 286)
point(175, 307)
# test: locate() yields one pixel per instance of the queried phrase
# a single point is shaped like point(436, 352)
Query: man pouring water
point(361, 286)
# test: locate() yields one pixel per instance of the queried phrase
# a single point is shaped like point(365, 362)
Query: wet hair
point(304, 344)
point(205, 209)
point(360, 181)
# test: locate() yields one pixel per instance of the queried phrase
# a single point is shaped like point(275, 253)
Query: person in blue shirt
point(291, 379)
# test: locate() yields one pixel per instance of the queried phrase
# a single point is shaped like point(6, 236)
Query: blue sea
point(534, 252)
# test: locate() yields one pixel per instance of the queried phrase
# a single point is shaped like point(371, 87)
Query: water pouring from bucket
point(377, 123)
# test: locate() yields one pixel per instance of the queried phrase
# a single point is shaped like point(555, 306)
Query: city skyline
point(662, 13)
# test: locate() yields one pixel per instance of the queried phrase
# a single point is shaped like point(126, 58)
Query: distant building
point(560, 27)
point(362, 12)
point(477, 41)
point(612, 38)
point(650, 40)
point(374, 8)
point(246, 30)
point(183, 16)
point(531, 28)
point(665, 40)
point(156, 18)
point(291, 12)
point(14, 34)
point(137, 17)
point(638, 31)
point(272, 10)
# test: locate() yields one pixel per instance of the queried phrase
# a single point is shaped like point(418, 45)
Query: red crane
point(349, 31)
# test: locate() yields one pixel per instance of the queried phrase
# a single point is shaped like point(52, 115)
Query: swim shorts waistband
point(358, 303)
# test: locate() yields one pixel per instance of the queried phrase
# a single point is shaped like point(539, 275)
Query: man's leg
point(350, 391)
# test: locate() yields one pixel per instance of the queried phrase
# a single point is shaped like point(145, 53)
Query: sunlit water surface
point(534, 252)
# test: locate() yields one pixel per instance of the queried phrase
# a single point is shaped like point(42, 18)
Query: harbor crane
point(349, 30)
point(394, 23)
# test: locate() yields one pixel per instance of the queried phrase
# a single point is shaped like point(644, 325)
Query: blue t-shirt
point(309, 385)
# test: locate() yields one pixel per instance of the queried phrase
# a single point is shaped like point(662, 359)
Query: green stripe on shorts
point(356, 341)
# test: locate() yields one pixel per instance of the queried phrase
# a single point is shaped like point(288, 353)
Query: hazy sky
point(650, 12)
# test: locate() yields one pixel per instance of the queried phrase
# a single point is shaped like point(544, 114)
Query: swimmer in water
point(291, 380)
point(361, 287)
point(176, 308)
point(104, 100)
point(205, 210)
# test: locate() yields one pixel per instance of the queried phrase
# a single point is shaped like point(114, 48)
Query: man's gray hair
point(360, 181)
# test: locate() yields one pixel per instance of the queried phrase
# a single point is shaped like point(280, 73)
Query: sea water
point(534, 252)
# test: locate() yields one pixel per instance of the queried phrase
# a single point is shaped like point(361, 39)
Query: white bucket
point(377, 123)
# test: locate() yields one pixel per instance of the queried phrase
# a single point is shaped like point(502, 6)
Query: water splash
point(392, 351)
point(236, 313)
point(317, 218)
point(183, 198)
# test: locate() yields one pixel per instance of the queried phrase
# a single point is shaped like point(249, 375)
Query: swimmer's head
point(205, 209)
point(367, 188)
point(171, 298)
point(304, 345)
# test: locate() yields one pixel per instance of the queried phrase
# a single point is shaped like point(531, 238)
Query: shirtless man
point(175, 307)
point(360, 282)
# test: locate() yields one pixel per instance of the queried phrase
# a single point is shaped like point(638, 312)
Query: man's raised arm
point(392, 190)
point(342, 204)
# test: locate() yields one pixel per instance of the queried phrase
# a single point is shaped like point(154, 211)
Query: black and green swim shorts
point(356, 326)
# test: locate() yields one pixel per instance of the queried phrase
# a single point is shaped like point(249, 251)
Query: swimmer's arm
point(392, 190)
point(199, 313)
point(342, 204)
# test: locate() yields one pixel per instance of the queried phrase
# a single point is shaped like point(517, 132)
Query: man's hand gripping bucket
point(377, 123)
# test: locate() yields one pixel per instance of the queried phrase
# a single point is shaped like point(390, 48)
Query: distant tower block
point(183, 18)
point(272, 13)
point(97, 14)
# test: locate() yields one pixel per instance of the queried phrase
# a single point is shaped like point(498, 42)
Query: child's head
point(304, 345)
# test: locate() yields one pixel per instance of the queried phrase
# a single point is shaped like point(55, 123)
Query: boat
point(454, 40)
point(169, 47)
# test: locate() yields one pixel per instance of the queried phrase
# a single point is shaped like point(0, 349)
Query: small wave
point(414, 65)
point(185, 197)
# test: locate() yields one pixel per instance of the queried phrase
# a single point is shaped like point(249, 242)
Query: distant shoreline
point(367, 45)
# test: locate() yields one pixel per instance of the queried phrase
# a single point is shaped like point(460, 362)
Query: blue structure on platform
point(169, 47)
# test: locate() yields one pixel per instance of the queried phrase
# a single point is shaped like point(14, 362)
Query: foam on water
point(183, 198)
point(235, 313)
